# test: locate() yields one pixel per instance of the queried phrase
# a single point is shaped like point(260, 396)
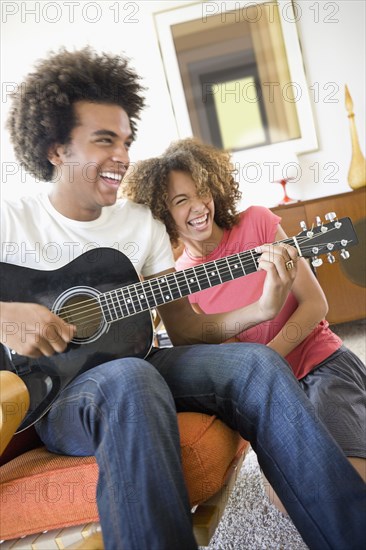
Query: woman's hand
point(280, 263)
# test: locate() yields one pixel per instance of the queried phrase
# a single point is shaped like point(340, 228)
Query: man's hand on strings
point(33, 330)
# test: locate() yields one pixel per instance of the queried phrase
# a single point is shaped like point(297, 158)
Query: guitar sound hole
point(84, 312)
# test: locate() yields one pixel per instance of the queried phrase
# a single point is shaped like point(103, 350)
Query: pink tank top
point(259, 225)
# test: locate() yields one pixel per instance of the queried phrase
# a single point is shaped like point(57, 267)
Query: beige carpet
point(250, 521)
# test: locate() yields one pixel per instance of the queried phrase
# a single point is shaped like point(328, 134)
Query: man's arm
point(185, 326)
point(33, 330)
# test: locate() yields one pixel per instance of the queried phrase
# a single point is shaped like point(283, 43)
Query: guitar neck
point(131, 299)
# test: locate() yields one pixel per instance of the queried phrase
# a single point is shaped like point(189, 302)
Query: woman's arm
point(185, 326)
point(311, 310)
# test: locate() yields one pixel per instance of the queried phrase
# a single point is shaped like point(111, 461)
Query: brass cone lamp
point(357, 169)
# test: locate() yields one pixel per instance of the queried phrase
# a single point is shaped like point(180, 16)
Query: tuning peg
point(316, 262)
point(344, 254)
point(330, 246)
point(330, 258)
point(304, 228)
point(319, 223)
point(330, 216)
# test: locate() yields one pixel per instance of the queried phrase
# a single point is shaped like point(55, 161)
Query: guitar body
point(63, 290)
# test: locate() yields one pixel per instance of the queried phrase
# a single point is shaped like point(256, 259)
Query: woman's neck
point(201, 249)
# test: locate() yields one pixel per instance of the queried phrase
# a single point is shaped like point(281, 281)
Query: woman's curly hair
point(42, 113)
point(209, 167)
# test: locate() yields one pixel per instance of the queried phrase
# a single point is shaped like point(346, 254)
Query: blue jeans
point(124, 413)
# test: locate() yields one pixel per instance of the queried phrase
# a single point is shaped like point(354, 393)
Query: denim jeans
point(124, 413)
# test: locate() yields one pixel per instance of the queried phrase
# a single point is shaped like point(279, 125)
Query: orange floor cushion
point(42, 491)
point(208, 449)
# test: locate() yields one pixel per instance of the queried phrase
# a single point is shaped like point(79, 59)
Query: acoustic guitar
point(101, 293)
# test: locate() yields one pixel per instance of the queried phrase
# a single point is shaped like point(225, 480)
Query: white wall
point(333, 43)
point(334, 55)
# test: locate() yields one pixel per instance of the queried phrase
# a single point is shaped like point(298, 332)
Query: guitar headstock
point(325, 238)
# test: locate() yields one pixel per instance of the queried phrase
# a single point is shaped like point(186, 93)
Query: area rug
point(250, 521)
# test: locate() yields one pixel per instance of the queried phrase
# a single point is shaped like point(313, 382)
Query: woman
point(191, 189)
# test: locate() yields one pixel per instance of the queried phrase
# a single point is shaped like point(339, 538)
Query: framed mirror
point(236, 74)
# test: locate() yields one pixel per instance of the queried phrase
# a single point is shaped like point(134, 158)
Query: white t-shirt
point(35, 235)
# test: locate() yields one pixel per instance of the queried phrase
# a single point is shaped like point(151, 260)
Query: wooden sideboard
point(344, 285)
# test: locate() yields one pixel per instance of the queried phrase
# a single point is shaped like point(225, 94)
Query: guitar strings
point(94, 311)
point(82, 305)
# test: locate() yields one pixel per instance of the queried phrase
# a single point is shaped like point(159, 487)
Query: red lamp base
point(286, 199)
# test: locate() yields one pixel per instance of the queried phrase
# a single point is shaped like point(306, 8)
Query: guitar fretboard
point(131, 299)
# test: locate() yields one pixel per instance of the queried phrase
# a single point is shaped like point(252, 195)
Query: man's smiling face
point(91, 167)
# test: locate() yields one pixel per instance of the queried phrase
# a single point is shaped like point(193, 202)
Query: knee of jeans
point(273, 363)
point(126, 380)
point(269, 356)
point(265, 362)
point(124, 390)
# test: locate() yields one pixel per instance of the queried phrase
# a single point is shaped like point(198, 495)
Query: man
point(74, 126)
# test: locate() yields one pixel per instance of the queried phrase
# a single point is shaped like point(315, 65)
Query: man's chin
point(109, 200)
